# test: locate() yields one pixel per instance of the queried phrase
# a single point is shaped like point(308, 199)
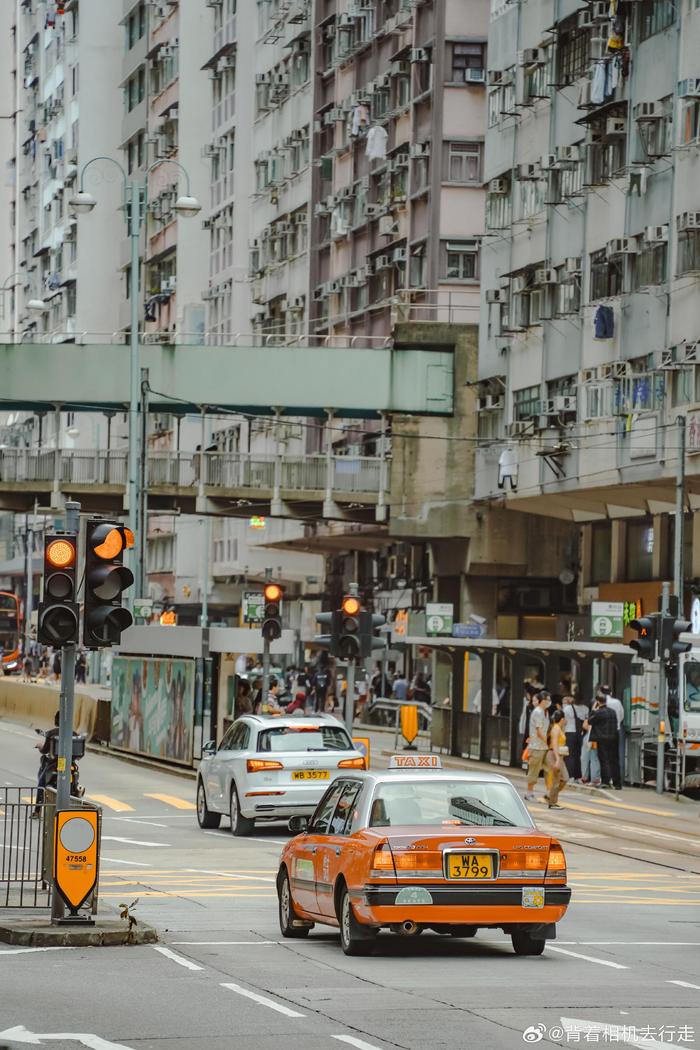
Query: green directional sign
point(607, 619)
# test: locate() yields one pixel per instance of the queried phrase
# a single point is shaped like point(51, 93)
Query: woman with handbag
point(556, 773)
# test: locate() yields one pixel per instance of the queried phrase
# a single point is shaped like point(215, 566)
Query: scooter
point(48, 767)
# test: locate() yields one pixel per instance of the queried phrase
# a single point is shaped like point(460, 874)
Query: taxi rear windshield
point(447, 802)
point(289, 738)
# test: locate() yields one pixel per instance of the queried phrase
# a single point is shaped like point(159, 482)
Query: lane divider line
point(22, 951)
point(202, 943)
point(132, 842)
point(180, 959)
point(133, 820)
point(263, 1000)
point(112, 803)
point(131, 863)
point(172, 800)
point(352, 1040)
point(685, 984)
point(588, 958)
point(232, 875)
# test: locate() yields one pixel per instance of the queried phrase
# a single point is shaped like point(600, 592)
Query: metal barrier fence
point(26, 850)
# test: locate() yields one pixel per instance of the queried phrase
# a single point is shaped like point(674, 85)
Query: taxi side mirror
point(298, 824)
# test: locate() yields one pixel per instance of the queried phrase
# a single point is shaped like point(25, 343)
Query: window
point(501, 101)
point(465, 58)
point(342, 821)
point(532, 193)
point(649, 266)
point(654, 15)
point(690, 121)
point(458, 801)
point(304, 738)
point(461, 261)
point(236, 737)
point(136, 25)
point(607, 275)
point(464, 162)
point(689, 252)
point(655, 134)
point(536, 82)
point(526, 402)
point(565, 182)
point(691, 686)
point(417, 267)
point(326, 808)
point(601, 549)
point(572, 54)
point(499, 208)
point(640, 550)
point(136, 89)
point(683, 385)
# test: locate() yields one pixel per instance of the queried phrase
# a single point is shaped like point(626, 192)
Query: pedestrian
point(603, 723)
point(57, 665)
point(80, 667)
point(618, 707)
point(271, 705)
point(537, 745)
point(420, 689)
point(590, 759)
point(298, 704)
point(400, 687)
point(556, 775)
point(572, 729)
point(244, 700)
point(530, 690)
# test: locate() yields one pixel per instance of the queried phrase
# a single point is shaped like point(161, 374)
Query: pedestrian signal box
point(75, 865)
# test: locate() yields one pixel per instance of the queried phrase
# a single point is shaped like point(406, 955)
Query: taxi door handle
point(312, 849)
point(337, 851)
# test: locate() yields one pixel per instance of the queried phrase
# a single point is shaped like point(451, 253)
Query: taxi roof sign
point(415, 762)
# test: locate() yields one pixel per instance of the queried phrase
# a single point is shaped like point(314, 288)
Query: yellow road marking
point(635, 809)
point(112, 803)
point(173, 800)
point(635, 900)
point(156, 893)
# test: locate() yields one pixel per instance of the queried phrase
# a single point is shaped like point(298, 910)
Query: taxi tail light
point(352, 763)
point(257, 765)
point(535, 862)
point(383, 860)
point(430, 860)
point(556, 862)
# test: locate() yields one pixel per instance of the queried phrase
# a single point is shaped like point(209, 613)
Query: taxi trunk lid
point(516, 852)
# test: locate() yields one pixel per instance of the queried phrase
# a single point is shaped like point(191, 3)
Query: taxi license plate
point(469, 866)
point(311, 774)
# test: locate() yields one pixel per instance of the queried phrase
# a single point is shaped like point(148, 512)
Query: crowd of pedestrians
point(566, 739)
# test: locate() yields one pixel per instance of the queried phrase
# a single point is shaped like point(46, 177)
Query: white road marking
point(21, 951)
point(180, 959)
point(226, 942)
point(231, 875)
point(572, 1024)
point(685, 984)
point(263, 1000)
point(131, 863)
point(354, 1041)
point(248, 838)
point(132, 820)
point(132, 842)
point(588, 958)
point(20, 1034)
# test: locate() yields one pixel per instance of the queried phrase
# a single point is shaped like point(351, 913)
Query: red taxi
point(419, 848)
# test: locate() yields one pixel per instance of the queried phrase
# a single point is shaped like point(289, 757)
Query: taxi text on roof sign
point(415, 762)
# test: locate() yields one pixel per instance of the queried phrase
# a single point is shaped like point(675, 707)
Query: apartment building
point(399, 123)
point(589, 329)
point(66, 103)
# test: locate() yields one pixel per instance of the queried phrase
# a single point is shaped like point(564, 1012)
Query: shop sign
point(608, 619)
point(253, 606)
point(439, 617)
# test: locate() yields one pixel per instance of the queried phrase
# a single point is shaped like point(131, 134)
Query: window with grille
point(649, 266)
point(526, 402)
point(464, 162)
point(689, 252)
point(607, 275)
point(466, 57)
point(690, 121)
point(573, 51)
point(655, 15)
point(499, 207)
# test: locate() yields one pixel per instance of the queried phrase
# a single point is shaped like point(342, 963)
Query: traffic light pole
point(350, 695)
point(266, 653)
point(64, 753)
point(663, 707)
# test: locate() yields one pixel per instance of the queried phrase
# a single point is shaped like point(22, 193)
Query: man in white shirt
point(617, 706)
point(537, 742)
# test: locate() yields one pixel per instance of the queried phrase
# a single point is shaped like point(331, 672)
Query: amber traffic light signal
point(106, 578)
point(58, 616)
point(272, 612)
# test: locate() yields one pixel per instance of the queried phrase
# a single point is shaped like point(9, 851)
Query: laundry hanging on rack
point(604, 323)
point(598, 83)
point(377, 140)
point(359, 119)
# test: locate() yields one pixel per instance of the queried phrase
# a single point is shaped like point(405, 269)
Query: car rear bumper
point(478, 906)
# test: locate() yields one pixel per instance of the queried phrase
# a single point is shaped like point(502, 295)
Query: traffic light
point(58, 614)
point(645, 643)
point(272, 612)
point(346, 629)
point(677, 646)
point(369, 622)
point(168, 618)
point(106, 578)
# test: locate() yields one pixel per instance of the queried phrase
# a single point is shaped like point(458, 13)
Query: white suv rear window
point(317, 738)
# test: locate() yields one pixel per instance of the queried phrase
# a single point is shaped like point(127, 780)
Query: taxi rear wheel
point(355, 939)
point(205, 817)
point(524, 944)
point(286, 910)
point(240, 825)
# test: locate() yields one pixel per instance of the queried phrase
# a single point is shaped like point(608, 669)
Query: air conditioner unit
point(600, 11)
point(476, 76)
point(168, 285)
point(528, 171)
point(589, 375)
point(400, 68)
point(208, 294)
point(585, 18)
point(210, 150)
point(321, 209)
point(496, 295)
point(519, 427)
point(622, 246)
point(280, 79)
point(489, 402)
point(689, 88)
point(263, 78)
point(573, 264)
point(548, 161)
point(546, 276)
point(333, 116)
point(382, 262)
point(373, 210)
point(387, 226)
point(691, 353)
point(498, 187)
point(568, 154)
point(420, 149)
point(494, 77)
point(689, 220)
point(518, 284)
point(649, 111)
point(656, 234)
point(399, 255)
point(531, 56)
point(616, 126)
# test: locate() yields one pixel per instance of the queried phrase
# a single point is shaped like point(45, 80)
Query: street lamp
point(135, 211)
